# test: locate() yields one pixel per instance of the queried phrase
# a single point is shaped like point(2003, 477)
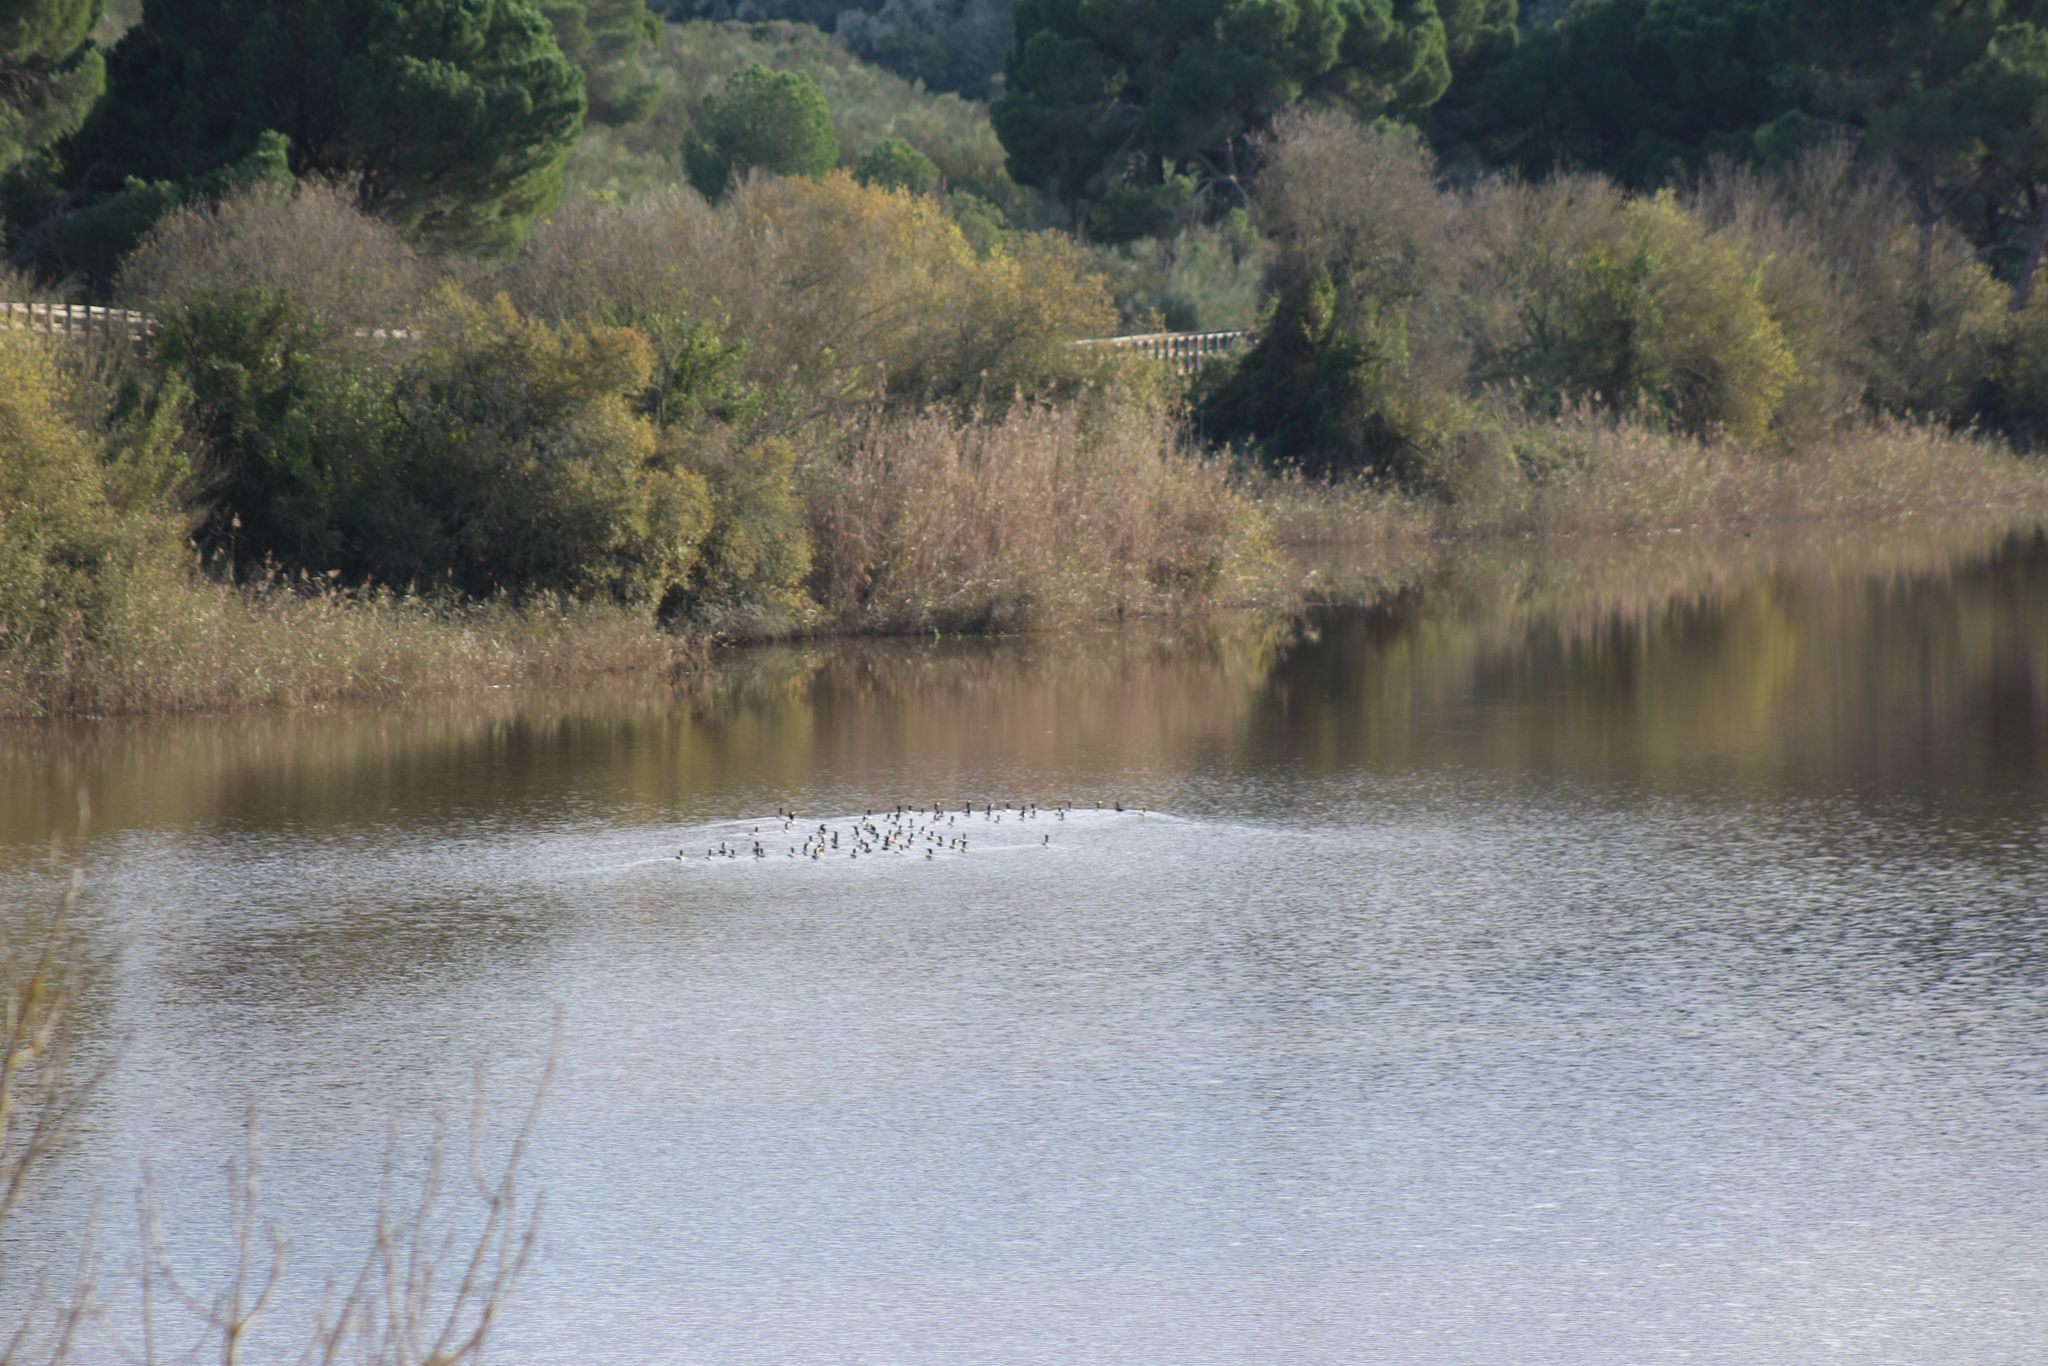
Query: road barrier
point(1186, 352)
point(76, 320)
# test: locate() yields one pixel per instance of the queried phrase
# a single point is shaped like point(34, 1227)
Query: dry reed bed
point(1609, 476)
point(1048, 516)
point(203, 646)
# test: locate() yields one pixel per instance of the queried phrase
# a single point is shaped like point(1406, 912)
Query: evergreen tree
point(774, 120)
point(50, 74)
point(1108, 94)
point(451, 117)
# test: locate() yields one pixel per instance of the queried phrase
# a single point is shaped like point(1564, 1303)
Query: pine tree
point(50, 74)
point(1108, 95)
point(452, 118)
point(772, 120)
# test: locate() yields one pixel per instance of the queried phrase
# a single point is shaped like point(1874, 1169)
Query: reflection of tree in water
point(1899, 657)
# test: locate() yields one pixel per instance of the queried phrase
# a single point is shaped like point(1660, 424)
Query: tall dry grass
point(1592, 473)
point(1624, 475)
point(201, 645)
point(1049, 516)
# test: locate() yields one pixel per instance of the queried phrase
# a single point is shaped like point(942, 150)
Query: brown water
point(1596, 960)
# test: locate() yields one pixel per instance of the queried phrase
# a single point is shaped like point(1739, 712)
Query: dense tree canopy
point(50, 73)
point(1952, 93)
point(1108, 94)
point(768, 120)
point(451, 117)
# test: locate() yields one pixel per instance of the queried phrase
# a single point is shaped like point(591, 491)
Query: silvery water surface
point(1562, 965)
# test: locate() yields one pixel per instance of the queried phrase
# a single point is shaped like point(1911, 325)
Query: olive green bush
point(1631, 301)
point(1881, 311)
point(751, 575)
point(893, 164)
point(523, 447)
point(71, 558)
point(838, 295)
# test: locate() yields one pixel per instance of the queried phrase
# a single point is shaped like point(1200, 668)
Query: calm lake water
point(1601, 961)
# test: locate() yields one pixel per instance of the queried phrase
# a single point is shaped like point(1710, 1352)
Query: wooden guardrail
point(1186, 352)
point(84, 320)
point(76, 320)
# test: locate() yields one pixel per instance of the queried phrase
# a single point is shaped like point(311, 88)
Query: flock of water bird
point(902, 832)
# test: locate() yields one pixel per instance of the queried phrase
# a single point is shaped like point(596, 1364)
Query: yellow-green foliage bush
point(525, 446)
point(1705, 346)
point(2023, 377)
point(1586, 293)
point(1881, 310)
point(841, 294)
point(68, 556)
point(751, 574)
point(859, 292)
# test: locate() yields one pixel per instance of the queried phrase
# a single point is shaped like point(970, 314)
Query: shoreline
point(412, 649)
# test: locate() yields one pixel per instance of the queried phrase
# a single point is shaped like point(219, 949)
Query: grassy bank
point(200, 645)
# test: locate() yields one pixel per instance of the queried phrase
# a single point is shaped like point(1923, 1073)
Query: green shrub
point(1702, 344)
point(2023, 374)
point(1359, 368)
point(291, 430)
point(893, 164)
point(1880, 310)
point(983, 224)
point(1592, 295)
